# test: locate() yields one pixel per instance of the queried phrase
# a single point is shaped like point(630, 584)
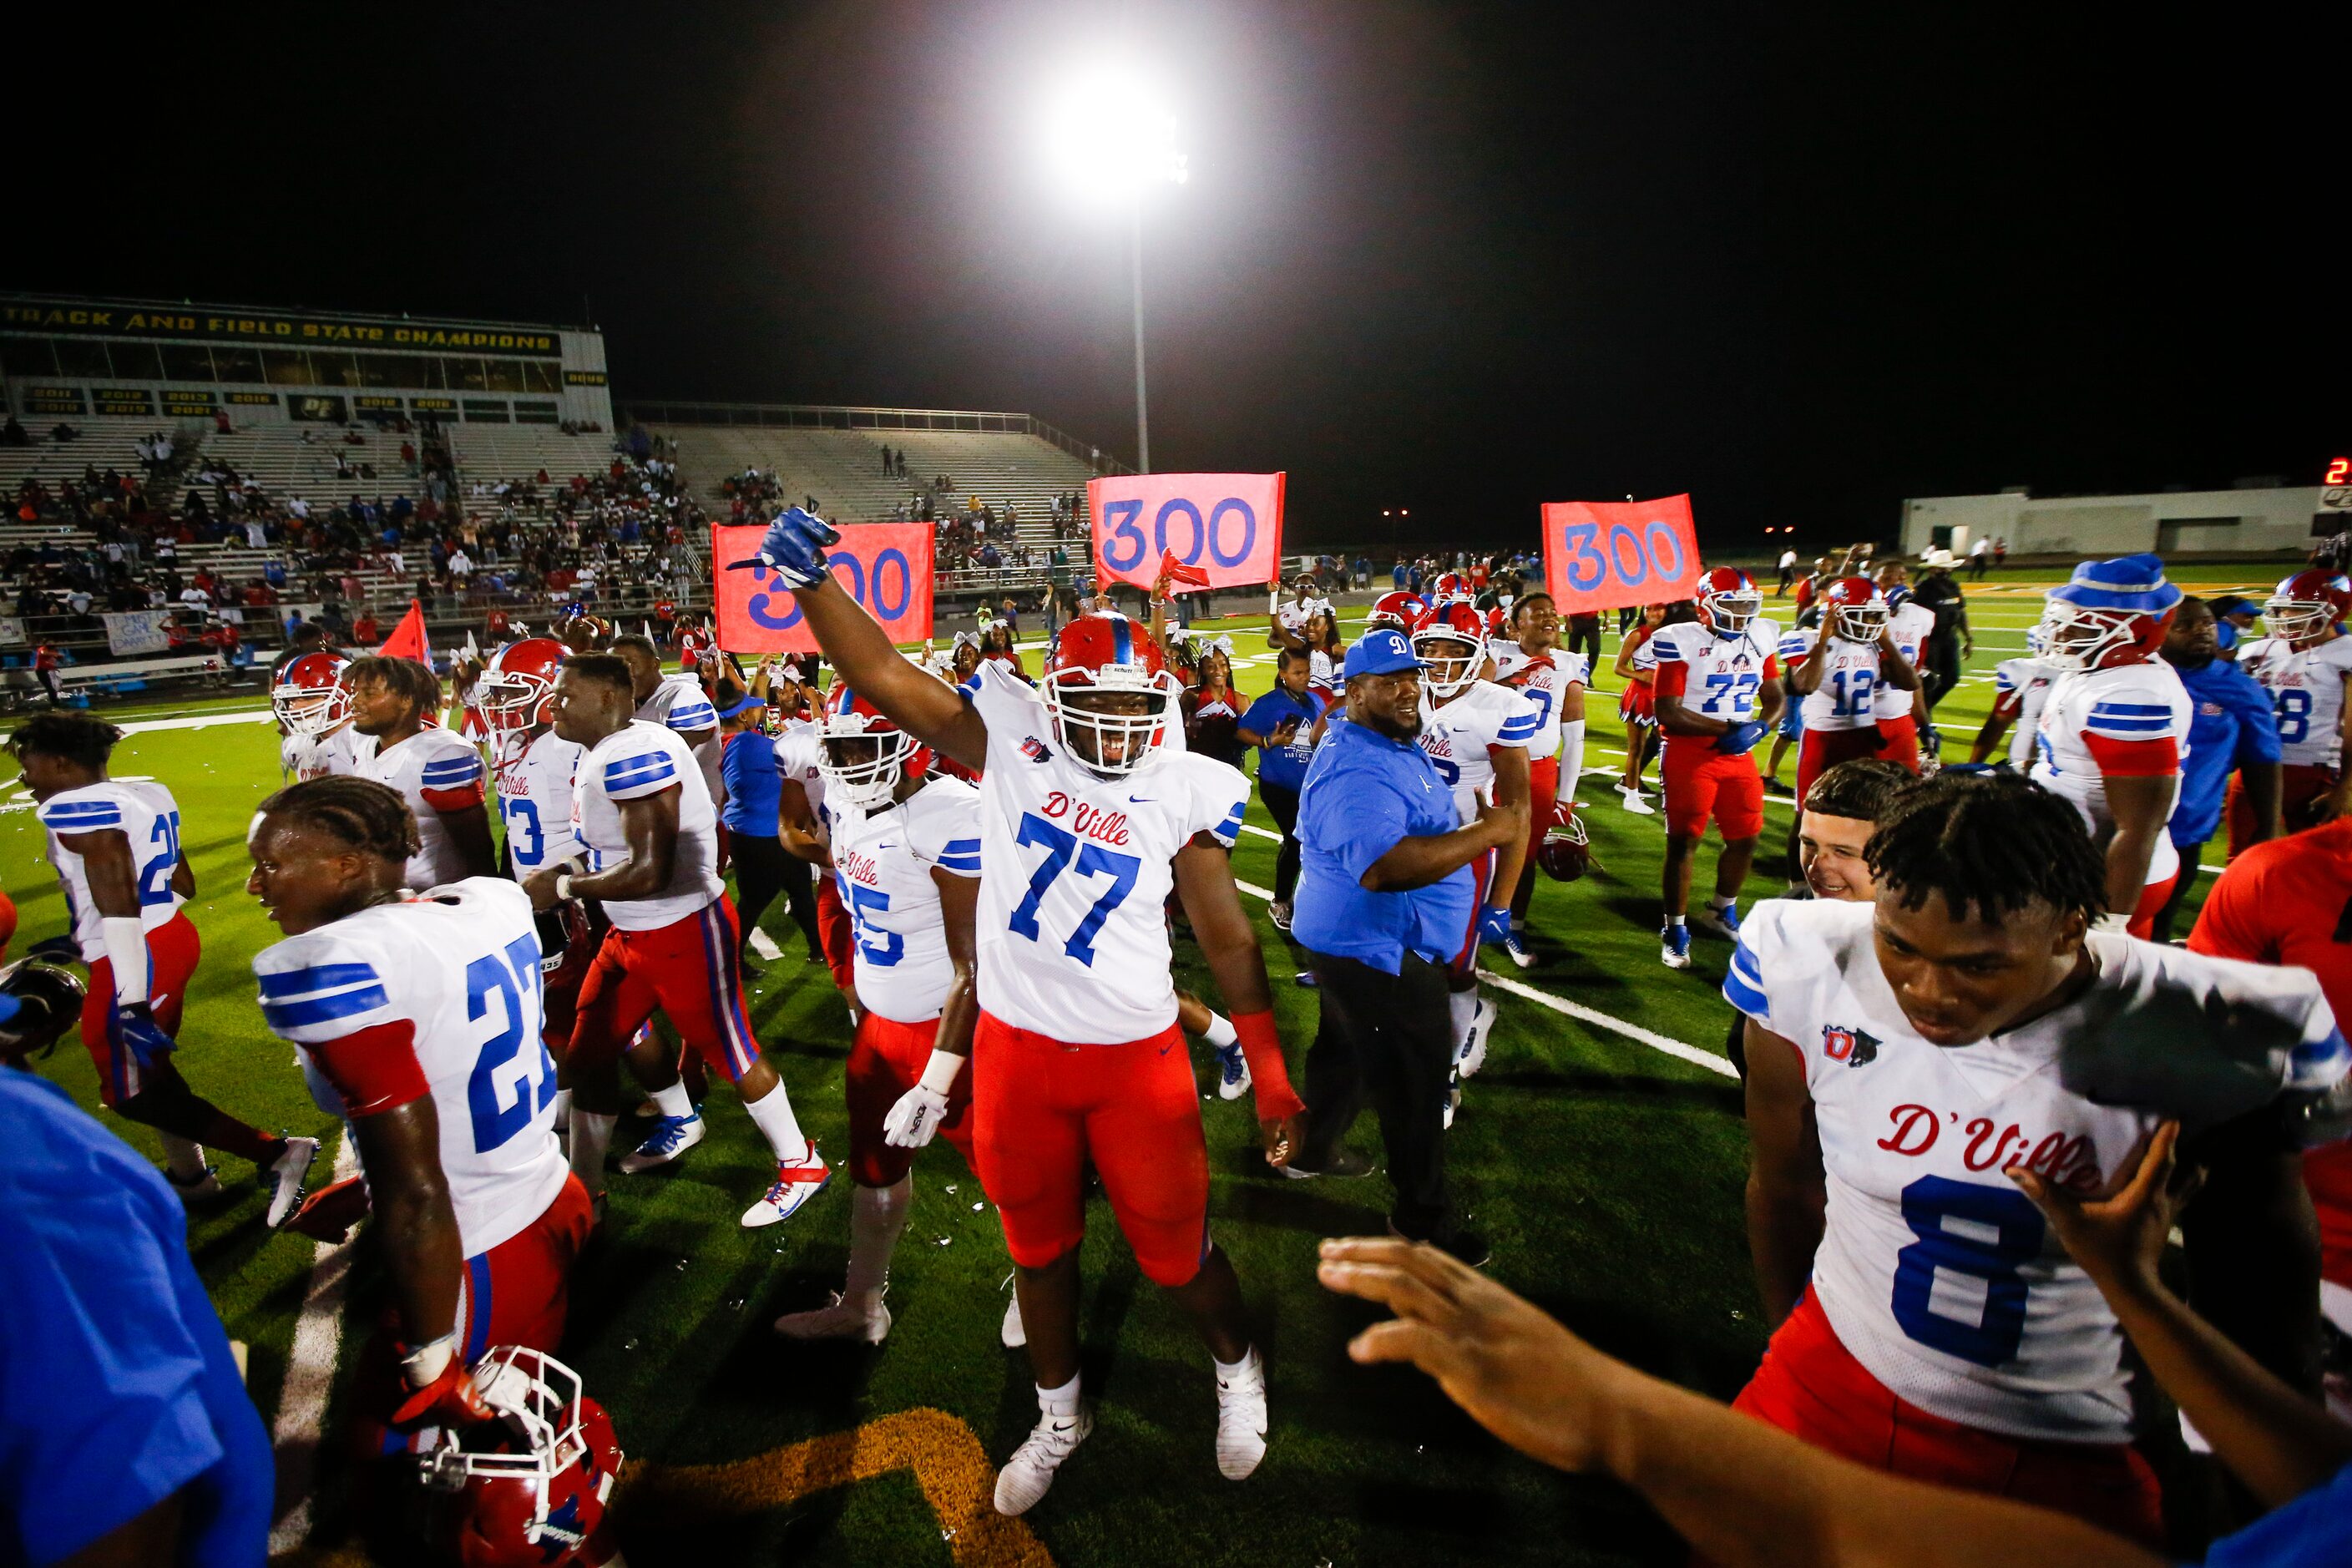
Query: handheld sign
point(1601, 555)
point(885, 566)
point(1226, 528)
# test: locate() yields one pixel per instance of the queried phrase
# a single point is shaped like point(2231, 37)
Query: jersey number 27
point(510, 976)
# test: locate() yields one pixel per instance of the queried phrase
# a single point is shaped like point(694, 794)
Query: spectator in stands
point(47, 661)
point(12, 434)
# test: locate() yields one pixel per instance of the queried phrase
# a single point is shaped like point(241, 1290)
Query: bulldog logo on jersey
point(1855, 1048)
point(1035, 750)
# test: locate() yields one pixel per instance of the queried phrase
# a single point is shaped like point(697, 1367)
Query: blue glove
point(136, 1029)
point(1740, 739)
point(1494, 924)
point(793, 548)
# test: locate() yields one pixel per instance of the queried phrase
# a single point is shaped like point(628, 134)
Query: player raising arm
point(1088, 819)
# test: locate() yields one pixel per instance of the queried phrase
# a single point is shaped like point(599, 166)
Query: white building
point(2181, 522)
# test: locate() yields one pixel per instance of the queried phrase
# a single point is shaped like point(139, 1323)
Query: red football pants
point(887, 1060)
point(1812, 1387)
point(689, 970)
point(1483, 870)
point(1822, 750)
point(2152, 900)
point(1543, 800)
point(836, 932)
point(1900, 741)
point(173, 950)
point(1042, 1110)
point(1702, 783)
point(2303, 789)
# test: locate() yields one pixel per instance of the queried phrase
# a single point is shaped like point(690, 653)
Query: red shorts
point(1042, 1110)
point(2152, 900)
point(1900, 742)
point(1702, 783)
point(688, 968)
point(559, 985)
point(1822, 750)
point(1482, 871)
point(1812, 1387)
point(886, 1061)
point(836, 932)
point(173, 950)
point(514, 1294)
point(2303, 789)
point(1543, 799)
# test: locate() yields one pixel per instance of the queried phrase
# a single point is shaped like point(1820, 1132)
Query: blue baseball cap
point(1383, 650)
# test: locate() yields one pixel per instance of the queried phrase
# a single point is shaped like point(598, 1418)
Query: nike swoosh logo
point(1142, 800)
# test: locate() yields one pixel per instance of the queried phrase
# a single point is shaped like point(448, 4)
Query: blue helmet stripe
point(1122, 642)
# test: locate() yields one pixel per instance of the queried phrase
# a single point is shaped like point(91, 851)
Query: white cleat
point(1240, 1419)
point(794, 1184)
point(285, 1175)
point(1012, 1331)
point(1633, 802)
point(672, 1136)
point(1471, 1055)
point(843, 1319)
point(1029, 1473)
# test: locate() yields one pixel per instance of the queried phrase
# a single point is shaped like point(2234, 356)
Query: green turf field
point(1606, 1171)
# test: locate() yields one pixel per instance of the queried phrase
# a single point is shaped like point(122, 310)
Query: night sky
point(1800, 261)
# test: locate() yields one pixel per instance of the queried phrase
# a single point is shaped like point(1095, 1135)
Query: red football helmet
point(1106, 680)
point(1499, 623)
point(1449, 586)
point(1728, 601)
point(1854, 609)
point(1398, 609)
point(515, 689)
point(1565, 854)
point(311, 695)
point(1452, 637)
point(2306, 606)
point(531, 1487)
point(862, 753)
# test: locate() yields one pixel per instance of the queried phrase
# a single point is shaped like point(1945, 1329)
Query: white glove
point(915, 1120)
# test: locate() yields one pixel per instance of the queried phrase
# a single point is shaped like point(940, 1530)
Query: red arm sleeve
point(1673, 679)
point(2154, 759)
point(375, 1069)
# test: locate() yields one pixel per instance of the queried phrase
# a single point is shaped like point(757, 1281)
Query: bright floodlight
point(1109, 135)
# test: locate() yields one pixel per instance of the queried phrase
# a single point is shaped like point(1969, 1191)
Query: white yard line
point(310, 1374)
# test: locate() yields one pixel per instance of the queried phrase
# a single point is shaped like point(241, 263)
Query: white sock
point(1717, 901)
point(1060, 1403)
point(1462, 1007)
point(1571, 757)
point(591, 1135)
point(185, 1160)
point(674, 1100)
point(1675, 922)
point(772, 1112)
point(1233, 1370)
point(876, 1216)
point(1221, 1032)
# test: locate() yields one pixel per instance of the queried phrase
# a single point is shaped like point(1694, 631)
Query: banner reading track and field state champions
point(1228, 525)
point(885, 566)
point(1602, 554)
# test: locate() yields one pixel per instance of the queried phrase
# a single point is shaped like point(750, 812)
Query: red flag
point(407, 639)
point(1176, 571)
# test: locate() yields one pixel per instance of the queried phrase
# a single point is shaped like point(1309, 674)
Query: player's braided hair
point(361, 811)
point(404, 678)
point(1862, 788)
point(1994, 843)
point(81, 739)
point(605, 669)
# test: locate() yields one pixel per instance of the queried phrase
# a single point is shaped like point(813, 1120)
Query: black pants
point(763, 869)
point(1282, 805)
point(1943, 671)
point(2181, 885)
point(1585, 638)
point(49, 685)
point(1388, 1038)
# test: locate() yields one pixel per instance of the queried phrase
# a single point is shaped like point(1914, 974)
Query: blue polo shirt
point(747, 766)
point(2315, 1528)
point(1284, 766)
point(2232, 725)
point(117, 1388)
point(1363, 793)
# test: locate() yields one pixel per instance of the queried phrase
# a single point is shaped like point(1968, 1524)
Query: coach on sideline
point(1384, 896)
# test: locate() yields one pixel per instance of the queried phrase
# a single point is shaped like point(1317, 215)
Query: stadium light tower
point(1112, 140)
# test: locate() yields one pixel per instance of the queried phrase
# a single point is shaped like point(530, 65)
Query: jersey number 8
point(1976, 1238)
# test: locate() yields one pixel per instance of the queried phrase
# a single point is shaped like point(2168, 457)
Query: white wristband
point(126, 948)
point(562, 887)
point(939, 1072)
point(428, 1361)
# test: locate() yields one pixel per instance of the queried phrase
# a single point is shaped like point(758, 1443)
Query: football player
point(678, 702)
point(2114, 727)
point(1906, 735)
point(2304, 662)
point(1903, 1053)
point(439, 775)
point(652, 838)
point(1716, 692)
point(417, 1019)
point(2019, 688)
point(1089, 817)
point(800, 758)
point(312, 700)
point(1554, 680)
point(116, 850)
point(1477, 733)
point(1838, 669)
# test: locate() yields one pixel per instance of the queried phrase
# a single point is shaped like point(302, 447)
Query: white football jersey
point(2029, 681)
point(310, 757)
point(2124, 703)
point(433, 769)
point(1544, 681)
point(461, 970)
point(1723, 676)
point(1072, 937)
point(797, 753)
point(1847, 697)
point(144, 813)
point(2306, 688)
point(679, 703)
point(1912, 624)
point(883, 864)
point(534, 774)
point(1455, 738)
point(635, 761)
point(1938, 1274)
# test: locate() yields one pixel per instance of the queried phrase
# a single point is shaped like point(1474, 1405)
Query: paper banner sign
point(885, 566)
point(1226, 526)
point(1599, 555)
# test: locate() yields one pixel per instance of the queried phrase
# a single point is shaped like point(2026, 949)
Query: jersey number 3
point(1957, 1289)
point(510, 976)
point(1065, 852)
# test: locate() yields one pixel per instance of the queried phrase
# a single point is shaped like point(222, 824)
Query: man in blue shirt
point(1281, 725)
point(1384, 894)
point(2234, 729)
point(125, 1430)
